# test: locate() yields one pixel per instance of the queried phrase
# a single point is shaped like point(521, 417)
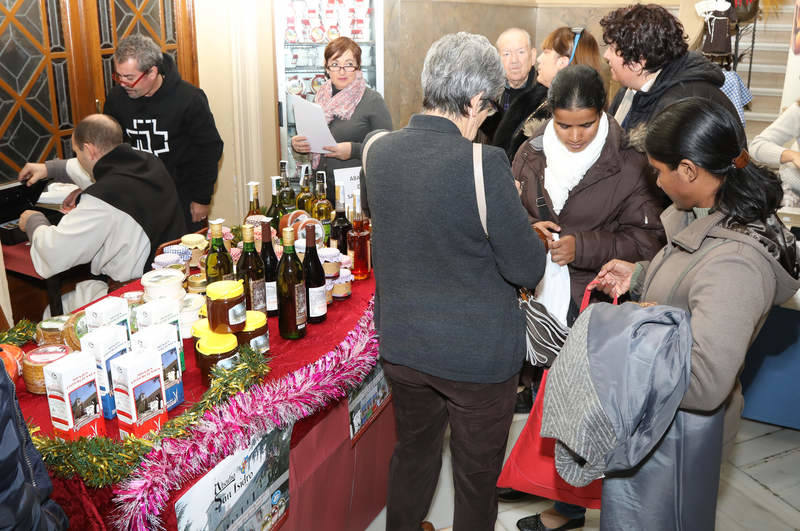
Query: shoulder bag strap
point(365, 148)
point(541, 203)
point(480, 191)
point(695, 259)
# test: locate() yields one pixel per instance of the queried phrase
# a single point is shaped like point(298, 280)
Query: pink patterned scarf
point(340, 106)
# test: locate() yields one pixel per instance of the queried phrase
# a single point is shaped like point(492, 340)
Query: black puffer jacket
point(510, 132)
point(690, 75)
point(25, 486)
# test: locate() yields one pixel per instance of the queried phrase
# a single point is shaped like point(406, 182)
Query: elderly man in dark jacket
point(649, 57)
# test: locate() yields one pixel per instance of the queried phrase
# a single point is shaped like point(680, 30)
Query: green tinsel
point(19, 334)
point(102, 461)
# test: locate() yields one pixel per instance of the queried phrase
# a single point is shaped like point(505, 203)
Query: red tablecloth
point(331, 480)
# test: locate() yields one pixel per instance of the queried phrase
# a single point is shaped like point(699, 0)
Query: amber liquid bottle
point(270, 260)
point(322, 208)
point(340, 225)
point(358, 246)
point(219, 264)
point(305, 197)
point(255, 208)
point(315, 279)
point(250, 269)
point(291, 290)
point(272, 212)
point(287, 200)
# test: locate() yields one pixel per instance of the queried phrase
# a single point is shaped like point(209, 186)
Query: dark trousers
point(479, 416)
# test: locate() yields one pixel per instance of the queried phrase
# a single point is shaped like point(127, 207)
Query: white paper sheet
point(350, 181)
point(310, 120)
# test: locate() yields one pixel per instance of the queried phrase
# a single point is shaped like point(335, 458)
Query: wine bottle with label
point(305, 197)
point(255, 207)
point(273, 212)
point(291, 289)
point(315, 279)
point(340, 225)
point(250, 269)
point(219, 264)
point(322, 209)
point(287, 200)
point(270, 260)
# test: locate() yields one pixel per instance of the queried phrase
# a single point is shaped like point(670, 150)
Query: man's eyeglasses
point(333, 67)
point(494, 107)
point(577, 32)
point(126, 81)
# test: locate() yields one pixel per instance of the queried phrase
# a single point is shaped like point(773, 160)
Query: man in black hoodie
point(164, 115)
point(648, 55)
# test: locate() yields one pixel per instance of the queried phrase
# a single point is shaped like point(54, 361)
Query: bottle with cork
point(251, 271)
point(219, 263)
point(291, 288)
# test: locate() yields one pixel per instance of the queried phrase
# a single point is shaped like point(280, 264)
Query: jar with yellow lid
point(255, 333)
point(225, 306)
point(212, 348)
point(200, 329)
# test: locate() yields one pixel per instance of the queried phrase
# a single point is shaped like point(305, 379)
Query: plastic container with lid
point(200, 329)
point(255, 333)
point(342, 286)
point(212, 348)
point(225, 306)
point(51, 331)
point(163, 283)
point(330, 258)
point(33, 364)
point(197, 283)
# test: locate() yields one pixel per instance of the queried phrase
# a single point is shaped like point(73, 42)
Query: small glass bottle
point(250, 269)
point(255, 208)
point(291, 290)
point(305, 197)
point(315, 279)
point(340, 225)
point(322, 208)
point(272, 212)
point(358, 246)
point(287, 200)
point(270, 260)
point(219, 263)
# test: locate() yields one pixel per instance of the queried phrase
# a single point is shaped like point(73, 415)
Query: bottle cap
point(247, 232)
point(216, 227)
point(224, 289)
point(288, 236)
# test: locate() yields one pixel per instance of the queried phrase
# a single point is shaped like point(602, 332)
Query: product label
point(260, 344)
point(271, 289)
point(326, 225)
point(258, 295)
point(237, 314)
point(300, 304)
point(317, 303)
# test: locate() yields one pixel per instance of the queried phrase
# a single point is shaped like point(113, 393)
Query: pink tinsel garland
point(229, 427)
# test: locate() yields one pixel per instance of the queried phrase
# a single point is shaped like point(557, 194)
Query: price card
point(350, 181)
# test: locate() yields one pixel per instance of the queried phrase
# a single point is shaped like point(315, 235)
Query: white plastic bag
point(553, 290)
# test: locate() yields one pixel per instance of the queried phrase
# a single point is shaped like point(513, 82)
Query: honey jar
point(255, 333)
point(211, 349)
point(225, 306)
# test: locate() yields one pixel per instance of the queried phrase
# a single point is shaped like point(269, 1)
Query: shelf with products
point(288, 44)
point(319, 70)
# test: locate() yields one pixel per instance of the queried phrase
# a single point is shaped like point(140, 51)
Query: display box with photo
point(105, 344)
point(139, 393)
point(163, 338)
point(73, 397)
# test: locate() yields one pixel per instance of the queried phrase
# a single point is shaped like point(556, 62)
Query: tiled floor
point(759, 486)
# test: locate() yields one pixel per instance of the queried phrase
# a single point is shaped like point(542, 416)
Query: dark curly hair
point(645, 31)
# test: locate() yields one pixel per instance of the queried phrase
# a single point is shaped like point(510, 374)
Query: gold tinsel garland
point(102, 461)
point(19, 334)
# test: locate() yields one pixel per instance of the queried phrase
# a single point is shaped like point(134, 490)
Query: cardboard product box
point(74, 398)
point(105, 344)
point(139, 393)
point(161, 311)
point(164, 339)
point(109, 311)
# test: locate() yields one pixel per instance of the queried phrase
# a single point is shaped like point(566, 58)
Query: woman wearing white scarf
point(590, 196)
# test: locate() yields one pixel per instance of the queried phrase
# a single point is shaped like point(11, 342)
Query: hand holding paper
point(311, 124)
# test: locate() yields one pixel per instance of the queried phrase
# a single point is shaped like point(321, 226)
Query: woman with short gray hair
point(451, 331)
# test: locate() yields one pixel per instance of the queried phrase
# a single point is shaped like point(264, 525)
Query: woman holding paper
point(352, 110)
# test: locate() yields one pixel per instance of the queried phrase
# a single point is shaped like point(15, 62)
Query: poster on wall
point(366, 401)
point(248, 490)
point(791, 83)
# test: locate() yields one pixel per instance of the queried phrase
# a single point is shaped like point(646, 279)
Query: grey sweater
point(446, 301)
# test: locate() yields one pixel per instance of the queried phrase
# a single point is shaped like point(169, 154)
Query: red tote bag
point(531, 466)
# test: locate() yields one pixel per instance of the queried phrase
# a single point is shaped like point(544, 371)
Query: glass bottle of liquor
point(219, 264)
point(250, 269)
point(358, 246)
point(287, 201)
point(255, 207)
point(305, 197)
point(291, 289)
point(270, 260)
point(315, 279)
point(340, 225)
point(322, 208)
point(272, 211)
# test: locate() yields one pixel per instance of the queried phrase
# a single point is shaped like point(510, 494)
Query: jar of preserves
point(225, 306)
point(255, 333)
point(211, 349)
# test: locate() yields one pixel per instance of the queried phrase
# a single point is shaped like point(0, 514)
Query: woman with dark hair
point(648, 55)
point(563, 46)
point(728, 258)
point(587, 191)
point(351, 108)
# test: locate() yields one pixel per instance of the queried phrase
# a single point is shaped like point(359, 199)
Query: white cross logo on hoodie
point(145, 136)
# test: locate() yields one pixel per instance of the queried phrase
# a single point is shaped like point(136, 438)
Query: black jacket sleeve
point(206, 149)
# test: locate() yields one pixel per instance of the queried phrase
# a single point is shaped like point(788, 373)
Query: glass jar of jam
point(225, 306)
point(211, 349)
point(255, 333)
point(342, 285)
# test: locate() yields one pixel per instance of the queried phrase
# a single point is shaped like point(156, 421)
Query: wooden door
point(56, 65)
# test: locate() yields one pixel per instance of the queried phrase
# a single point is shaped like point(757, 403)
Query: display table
point(331, 480)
